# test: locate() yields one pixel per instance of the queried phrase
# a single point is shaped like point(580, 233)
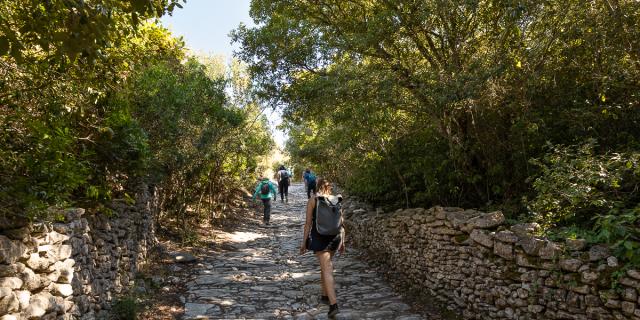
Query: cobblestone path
point(262, 276)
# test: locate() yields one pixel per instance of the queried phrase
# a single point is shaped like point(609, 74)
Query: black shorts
point(318, 242)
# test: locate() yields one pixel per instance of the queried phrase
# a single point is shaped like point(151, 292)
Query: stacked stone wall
point(75, 268)
point(481, 269)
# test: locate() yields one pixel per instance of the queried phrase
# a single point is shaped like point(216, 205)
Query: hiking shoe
point(267, 222)
point(324, 299)
point(333, 310)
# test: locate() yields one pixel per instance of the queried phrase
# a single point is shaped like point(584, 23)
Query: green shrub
point(620, 229)
point(125, 308)
point(577, 185)
point(582, 190)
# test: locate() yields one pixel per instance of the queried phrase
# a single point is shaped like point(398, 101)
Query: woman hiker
point(265, 189)
point(324, 246)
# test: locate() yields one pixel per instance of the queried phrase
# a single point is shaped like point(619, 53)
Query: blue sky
point(205, 26)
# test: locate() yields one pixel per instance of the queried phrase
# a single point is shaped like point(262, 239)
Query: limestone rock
point(506, 236)
point(439, 212)
point(633, 274)
point(59, 305)
point(40, 228)
point(443, 230)
point(535, 308)
point(68, 263)
point(530, 244)
point(10, 250)
point(589, 276)
point(19, 233)
point(39, 263)
point(504, 250)
point(9, 302)
point(627, 307)
point(482, 237)
point(612, 303)
point(625, 281)
point(23, 296)
point(526, 261)
point(630, 294)
point(487, 220)
point(571, 265)
point(5, 292)
point(64, 252)
point(62, 228)
point(39, 304)
point(56, 238)
point(183, 257)
point(592, 301)
point(550, 250)
point(576, 244)
point(73, 214)
point(11, 283)
point(598, 252)
point(584, 289)
point(8, 270)
point(65, 274)
point(31, 281)
point(459, 218)
point(523, 229)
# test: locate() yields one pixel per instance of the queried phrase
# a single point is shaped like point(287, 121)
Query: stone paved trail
point(261, 276)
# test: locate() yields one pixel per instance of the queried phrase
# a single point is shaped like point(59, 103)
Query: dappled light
point(259, 274)
point(488, 152)
point(243, 237)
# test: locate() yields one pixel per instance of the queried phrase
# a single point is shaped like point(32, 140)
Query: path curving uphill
point(260, 275)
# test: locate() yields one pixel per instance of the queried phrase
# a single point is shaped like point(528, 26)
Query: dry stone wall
point(476, 266)
point(72, 269)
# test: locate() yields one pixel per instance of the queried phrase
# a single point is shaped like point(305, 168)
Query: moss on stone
point(460, 238)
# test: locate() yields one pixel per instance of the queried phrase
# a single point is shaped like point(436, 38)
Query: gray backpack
point(328, 215)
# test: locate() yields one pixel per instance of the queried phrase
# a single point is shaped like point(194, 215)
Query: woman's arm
point(307, 224)
point(255, 193)
point(343, 234)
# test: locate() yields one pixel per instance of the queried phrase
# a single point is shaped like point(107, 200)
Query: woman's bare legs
point(324, 290)
point(326, 275)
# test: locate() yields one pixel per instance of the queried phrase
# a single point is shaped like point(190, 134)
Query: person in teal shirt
point(266, 190)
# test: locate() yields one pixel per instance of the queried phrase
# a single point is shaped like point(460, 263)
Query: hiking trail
point(260, 275)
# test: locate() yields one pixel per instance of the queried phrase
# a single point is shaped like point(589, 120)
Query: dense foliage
point(423, 102)
point(581, 188)
point(65, 31)
point(94, 99)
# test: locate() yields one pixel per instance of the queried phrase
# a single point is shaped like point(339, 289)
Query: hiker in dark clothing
point(283, 183)
point(265, 189)
point(324, 244)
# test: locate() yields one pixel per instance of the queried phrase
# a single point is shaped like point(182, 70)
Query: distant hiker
point(265, 189)
point(309, 182)
point(324, 234)
point(283, 183)
point(304, 178)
